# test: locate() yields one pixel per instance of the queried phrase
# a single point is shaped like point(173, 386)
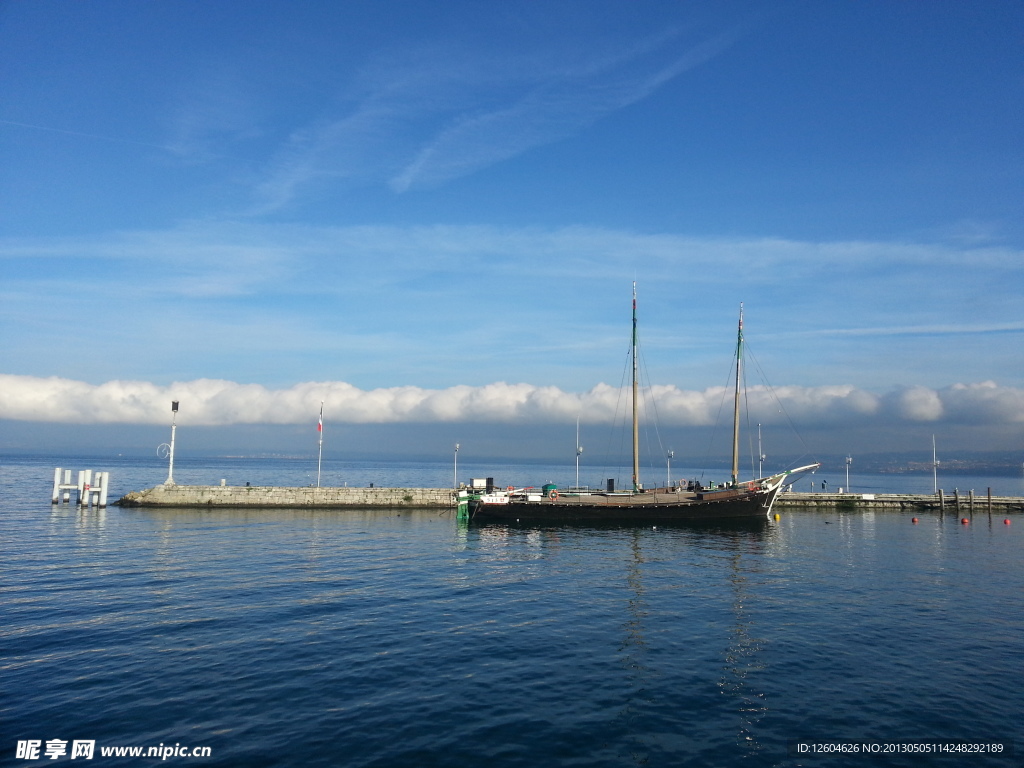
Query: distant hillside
point(1003, 463)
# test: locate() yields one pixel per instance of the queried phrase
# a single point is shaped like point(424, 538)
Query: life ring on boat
point(553, 494)
point(511, 488)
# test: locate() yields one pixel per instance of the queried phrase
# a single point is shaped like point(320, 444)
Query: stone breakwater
point(444, 498)
point(273, 496)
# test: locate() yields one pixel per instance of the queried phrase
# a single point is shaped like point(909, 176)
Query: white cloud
point(556, 106)
point(215, 402)
point(424, 116)
point(984, 403)
point(919, 404)
point(275, 303)
point(253, 256)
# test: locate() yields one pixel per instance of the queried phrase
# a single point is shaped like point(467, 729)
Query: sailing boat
point(747, 499)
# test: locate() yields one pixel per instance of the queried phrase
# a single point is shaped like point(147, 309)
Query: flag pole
point(320, 433)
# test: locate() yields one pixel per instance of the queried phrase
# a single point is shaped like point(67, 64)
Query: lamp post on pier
point(579, 451)
point(849, 461)
point(170, 448)
point(456, 483)
point(668, 468)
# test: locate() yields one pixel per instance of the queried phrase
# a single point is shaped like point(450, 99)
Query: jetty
point(957, 503)
point(208, 496)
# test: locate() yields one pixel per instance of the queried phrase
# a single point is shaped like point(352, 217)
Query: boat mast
point(760, 455)
point(736, 404)
point(636, 428)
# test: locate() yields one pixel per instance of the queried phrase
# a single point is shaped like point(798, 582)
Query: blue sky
point(431, 213)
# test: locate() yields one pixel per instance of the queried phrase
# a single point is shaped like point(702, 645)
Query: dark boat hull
point(640, 509)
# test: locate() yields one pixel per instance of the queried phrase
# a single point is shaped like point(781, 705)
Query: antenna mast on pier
point(320, 437)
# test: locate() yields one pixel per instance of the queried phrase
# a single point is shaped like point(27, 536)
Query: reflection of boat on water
point(672, 625)
point(736, 499)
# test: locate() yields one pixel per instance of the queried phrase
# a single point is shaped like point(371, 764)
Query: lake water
point(379, 638)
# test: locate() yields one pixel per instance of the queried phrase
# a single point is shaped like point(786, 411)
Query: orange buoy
point(1006, 521)
point(965, 521)
point(914, 521)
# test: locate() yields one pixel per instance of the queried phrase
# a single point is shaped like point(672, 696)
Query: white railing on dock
point(91, 487)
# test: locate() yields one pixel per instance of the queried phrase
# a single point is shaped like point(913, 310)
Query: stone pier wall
point(271, 496)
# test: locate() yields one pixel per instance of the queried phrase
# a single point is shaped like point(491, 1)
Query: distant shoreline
point(998, 465)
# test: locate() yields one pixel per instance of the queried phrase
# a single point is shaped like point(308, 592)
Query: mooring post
point(990, 499)
point(62, 485)
point(970, 499)
point(93, 487)
point(84, 488)
point(956, 495)
point(942, 502)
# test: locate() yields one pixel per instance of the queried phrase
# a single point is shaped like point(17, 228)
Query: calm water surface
point(379, 638)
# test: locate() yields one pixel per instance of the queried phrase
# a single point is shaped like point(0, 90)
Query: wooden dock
point(956, 503)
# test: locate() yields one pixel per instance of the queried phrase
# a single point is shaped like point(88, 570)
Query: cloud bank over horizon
point(210, 402)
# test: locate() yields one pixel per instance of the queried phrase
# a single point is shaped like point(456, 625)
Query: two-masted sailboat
point(736, 499)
